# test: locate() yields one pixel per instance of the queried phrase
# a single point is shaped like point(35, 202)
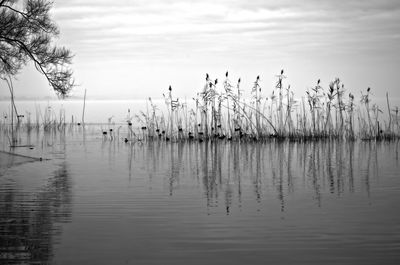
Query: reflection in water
point(224, 202)
point(322, 168)
point(30, 220)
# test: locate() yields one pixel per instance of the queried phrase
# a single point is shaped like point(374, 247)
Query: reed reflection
point(227, 171)
point(29, 221)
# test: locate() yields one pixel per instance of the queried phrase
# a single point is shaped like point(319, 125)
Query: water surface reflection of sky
point(107, 202)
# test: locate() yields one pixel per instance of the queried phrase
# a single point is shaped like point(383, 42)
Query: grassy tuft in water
point(220, 112)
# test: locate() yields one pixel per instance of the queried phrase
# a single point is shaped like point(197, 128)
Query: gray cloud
point(323, 34)
point(144, 24)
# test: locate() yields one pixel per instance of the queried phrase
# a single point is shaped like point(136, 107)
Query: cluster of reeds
point(12, 124)
point(220, 111)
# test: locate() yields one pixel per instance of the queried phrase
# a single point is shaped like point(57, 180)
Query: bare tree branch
point(27, 35)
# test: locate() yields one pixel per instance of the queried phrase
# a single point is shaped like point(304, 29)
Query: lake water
point(97, 201)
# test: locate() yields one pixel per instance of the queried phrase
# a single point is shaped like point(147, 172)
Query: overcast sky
point(136, 49)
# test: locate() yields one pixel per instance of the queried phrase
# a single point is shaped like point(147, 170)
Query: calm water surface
point(98, 201)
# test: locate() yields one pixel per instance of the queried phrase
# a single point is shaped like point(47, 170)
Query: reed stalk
point(83, 110)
